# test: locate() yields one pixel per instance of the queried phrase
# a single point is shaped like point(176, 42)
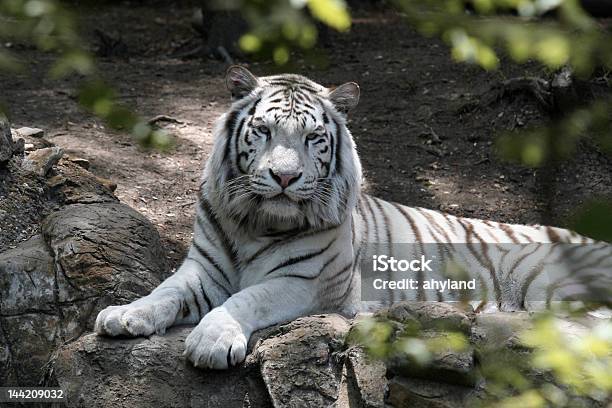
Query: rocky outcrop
point(300, 364)
point(102, 372)
point(40, 161)
point(68, 248)
point(434, 321)
point(305, 363)
point(305, 354)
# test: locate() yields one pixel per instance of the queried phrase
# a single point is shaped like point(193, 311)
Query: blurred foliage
point(573, 37)
point(594, 220)
point(568, 36)
point(100, 99)
point(477, 31)
point(50, 27)
point(279, 26)
point(558, 141)
point(579, 366)
point(383, 339)
point(556, 33)
point(581, 363)
point(546, 368)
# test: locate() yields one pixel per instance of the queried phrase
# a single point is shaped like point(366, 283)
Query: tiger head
point(283, 156)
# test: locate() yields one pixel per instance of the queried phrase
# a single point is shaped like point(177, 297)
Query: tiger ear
point(240, 82)
point(345, 97)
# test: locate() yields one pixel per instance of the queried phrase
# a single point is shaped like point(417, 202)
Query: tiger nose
point(284, 179)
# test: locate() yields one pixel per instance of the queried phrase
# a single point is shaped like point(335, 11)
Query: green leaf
point(9, 63)
point(75, 61)
point(281, 55)
point(553, 50)
point(250, 43)
point(331, 12)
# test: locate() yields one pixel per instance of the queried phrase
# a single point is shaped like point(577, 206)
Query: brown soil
point(418, 144)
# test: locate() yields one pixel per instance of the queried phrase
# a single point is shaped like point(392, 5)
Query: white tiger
point(281, 222)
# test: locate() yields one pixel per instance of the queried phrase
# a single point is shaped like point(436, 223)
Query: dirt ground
point(417, 144)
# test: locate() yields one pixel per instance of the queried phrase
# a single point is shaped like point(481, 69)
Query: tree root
point(539, 88)
point(561, 93)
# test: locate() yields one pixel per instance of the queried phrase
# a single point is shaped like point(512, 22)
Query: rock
point(434, 320)
point(34, 139)
point(502, 329)
point(30, 132)
point(92, 252)
point(415, 393)
point(108, 184)
point(292, 365)
point(497, 330)
point(8, 147)
point(424, 113)
point(24, 201)
point(447, 365)
point(496, 337)
point(76, 185)
point(148, 372)
point(366, 379)
point(29, 316)
point(52, 286)
point(298, 361)
point(106, 248)
point(40, 161)
point(27, 197)
point(79, 161)
point(432, 315)
point(304, 363)
point(6, 141)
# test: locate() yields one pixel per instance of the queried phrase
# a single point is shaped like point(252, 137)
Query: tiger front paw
point(218, 341)
point(136, 319)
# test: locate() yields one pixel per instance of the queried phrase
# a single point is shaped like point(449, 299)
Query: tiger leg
point(220, 339)
point(183, 298)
